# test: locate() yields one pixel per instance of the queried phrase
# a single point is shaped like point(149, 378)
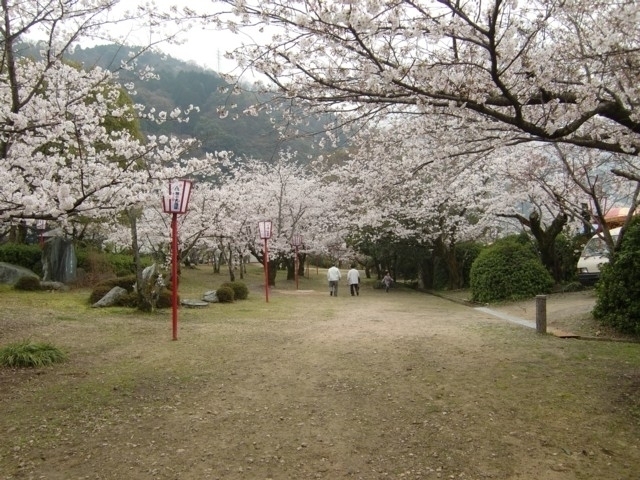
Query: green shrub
point(27, 256)
point(128, 300)
point(508, 270)
point(165, 300)
point(28, 283)
point(123, 265)
point(94, 262)
point(225, 294)
point(125, 282)
point(98, 263)
point(240, 290)
point(28, 354)
point(618, 302)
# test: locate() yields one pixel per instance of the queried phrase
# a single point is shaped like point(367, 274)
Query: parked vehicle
point(593, 256)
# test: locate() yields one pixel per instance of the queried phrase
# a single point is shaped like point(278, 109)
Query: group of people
point(353, 280)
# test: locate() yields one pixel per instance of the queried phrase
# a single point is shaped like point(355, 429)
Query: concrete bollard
point(541, 313)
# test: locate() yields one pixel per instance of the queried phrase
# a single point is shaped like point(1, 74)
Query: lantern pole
point(41, 226)
point(265, 234)
point(174, 275)
point(296, 241)
point(176, 202)
point(295, 265)
point(266, 270)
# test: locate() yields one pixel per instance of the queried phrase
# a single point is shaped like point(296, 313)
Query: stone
point(59, 260)
point(151, 284)
point(210, 296)
point(54, 286)
point(194, 303)
point(111, 297)
point(10, 273)
point(149, 276)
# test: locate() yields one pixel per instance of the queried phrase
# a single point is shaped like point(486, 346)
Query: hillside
point(181, 84)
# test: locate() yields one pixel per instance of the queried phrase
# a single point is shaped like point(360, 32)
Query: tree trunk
point(448, 254)
point(420, 277)
point(18, 233)
point(291, 268)
point(273, 271)
point(241, 260)
point(144, 304)
point(217, 260)
point(232, 275)
point(427, 270)
point(273, 264)
point(545, 239)
point(302, 258)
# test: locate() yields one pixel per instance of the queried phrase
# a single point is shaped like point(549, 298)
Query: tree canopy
point(544, 70)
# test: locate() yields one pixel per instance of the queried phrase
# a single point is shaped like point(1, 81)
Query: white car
point(593, 256)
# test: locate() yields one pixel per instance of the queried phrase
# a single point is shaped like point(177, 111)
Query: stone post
point(541, 313)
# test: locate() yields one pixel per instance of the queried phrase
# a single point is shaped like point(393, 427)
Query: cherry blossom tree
point(483, 77)
point(403, 188)
point(223, 215)
point(60, 155)
point(538, 70)
point(296, 200)
point(606, 181)
point(204, 220)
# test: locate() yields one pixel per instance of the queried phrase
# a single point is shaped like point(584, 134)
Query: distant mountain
point(181, 84)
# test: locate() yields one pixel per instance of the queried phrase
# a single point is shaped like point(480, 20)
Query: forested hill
point(182, 84)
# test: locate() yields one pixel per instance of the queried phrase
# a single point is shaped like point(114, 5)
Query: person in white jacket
point(333, 277)
point(353, 279)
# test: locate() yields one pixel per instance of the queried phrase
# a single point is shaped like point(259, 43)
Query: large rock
point(151, 284)
point(59, 261)
point(149, 275)
point(10, 273)
point(111, 297)
point(210, 296)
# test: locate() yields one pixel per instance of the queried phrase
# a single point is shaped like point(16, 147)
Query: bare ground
point(400, 385)
point(567, 313)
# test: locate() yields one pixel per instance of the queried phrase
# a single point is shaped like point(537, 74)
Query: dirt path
point(398, 385)
point(559, 306)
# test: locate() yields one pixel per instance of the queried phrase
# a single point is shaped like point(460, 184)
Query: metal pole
point(174, 274)
point(266, 270)
point(541, 313)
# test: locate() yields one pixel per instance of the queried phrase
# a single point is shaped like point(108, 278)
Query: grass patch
point(28, 354)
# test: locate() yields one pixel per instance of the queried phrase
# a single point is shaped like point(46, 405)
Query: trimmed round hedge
point(508, 270)
point(28, 283)
point(240, 290)
point(225, 294)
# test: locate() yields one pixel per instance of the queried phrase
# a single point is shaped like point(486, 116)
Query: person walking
point(333, 277)
point(387, 281)
point(353, 279)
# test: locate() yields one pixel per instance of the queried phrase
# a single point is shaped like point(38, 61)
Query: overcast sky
point(204, 46)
